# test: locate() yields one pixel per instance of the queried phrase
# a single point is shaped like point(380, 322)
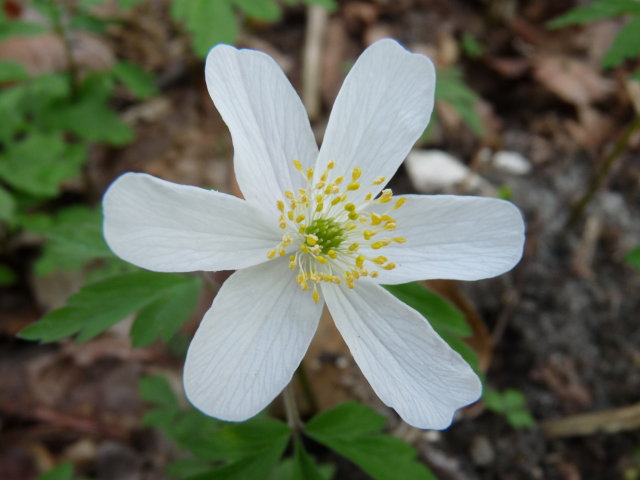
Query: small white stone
point(511, 162)
point(439, 171)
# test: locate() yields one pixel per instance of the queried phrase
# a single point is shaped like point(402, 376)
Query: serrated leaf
point(440, 313)
point(12, 71)
point(208, 22)
point(352, 430)
point(633, 257)
point(75, 238)
point(99, 305)
point(61, 472)
point(163, 318)
point(625, 45)
point(7, 206)
point(141, 83)
point(40, 163)
point(267, 10)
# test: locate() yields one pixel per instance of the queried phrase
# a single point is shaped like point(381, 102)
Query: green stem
point(603, 172)
point(60, 27)
point(291, 409)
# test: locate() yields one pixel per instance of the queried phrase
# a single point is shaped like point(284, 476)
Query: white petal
point(452, 237)
point(383, 107)
point(407, 364)
point(250, 342)
point(268, 123)
point(166, 227)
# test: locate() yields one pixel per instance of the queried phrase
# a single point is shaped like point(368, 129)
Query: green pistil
point(329, 232)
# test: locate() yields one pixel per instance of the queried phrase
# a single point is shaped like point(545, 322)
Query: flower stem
point(291, 409)
point(603, 172)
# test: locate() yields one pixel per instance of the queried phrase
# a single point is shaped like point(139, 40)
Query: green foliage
point(135, 79)
point(626, 44)
point(99, 305)
point(229, 451)
point(450, 88)
point(12, 71)
point(511, 404)
point(61, 472)
point(633, 257)
point(445, 319)
point(212, 22)
point(7, 277)
point(471, 47)
point(7, 206)
point(636, 76)
point(354, 431)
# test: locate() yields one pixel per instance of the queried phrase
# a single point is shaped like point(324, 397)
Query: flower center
point(325, 233)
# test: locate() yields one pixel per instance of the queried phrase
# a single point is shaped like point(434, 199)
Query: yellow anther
point(289, 194)
point(304, 248)
point(316, 295)
point(368, 197)
point(330, 165)
point(399, 239)
point(271, 253)
point(300, 218)
point(389, 266)
point(367, 234)
point(380, 260)
point(379, 180)
point(390, 226)
point(349, 207)
point(379, 244)
point(290, 214)
point(320, 185)
point(316, 250)
point(375, 219)
point(353, 247)
point(353, 186)
point(373, 274)
point(312, 240)
point(298, 165)
point(319, 207)
point(319, 198)
point(360, 261)
point(332, 254)
point(338, 180)
point(302, 229)
point(335, 201)
point(399, 203)
point(281, 252)
point(322, 260)
point(386, 196)
point(329, 189)
point(280, 205)
point(309, 173)
point(282, 224)
point(356, 174)
point(353, 216)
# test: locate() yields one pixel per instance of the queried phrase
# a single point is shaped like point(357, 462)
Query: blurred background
point(538, 102)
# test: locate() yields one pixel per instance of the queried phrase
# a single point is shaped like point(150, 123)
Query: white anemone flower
point(316, 227)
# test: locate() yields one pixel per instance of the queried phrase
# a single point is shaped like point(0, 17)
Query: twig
point(312, 60)
point(602, 172)
point(608, 421)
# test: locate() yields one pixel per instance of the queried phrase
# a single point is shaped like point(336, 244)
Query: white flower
point(317, 227)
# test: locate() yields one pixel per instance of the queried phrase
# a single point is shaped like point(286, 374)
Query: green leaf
point(99, 305)
point(7, 277)
point(633, 257)
point(352, 430)
point(440, 313)
point(11, 71)
point(75, 238)
point(7, 206)
point(157, 389)
point(626, 45)
point(40, 163)
point(304, 468)
point(451, 88)
point(267, 10)
point(208, 22)
point(61, 472)
point(141, 83)
point(329, 5)
point(163, 318)
point(471, 47)
point(511, 404)
point(635, 76)
point(14, 28)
